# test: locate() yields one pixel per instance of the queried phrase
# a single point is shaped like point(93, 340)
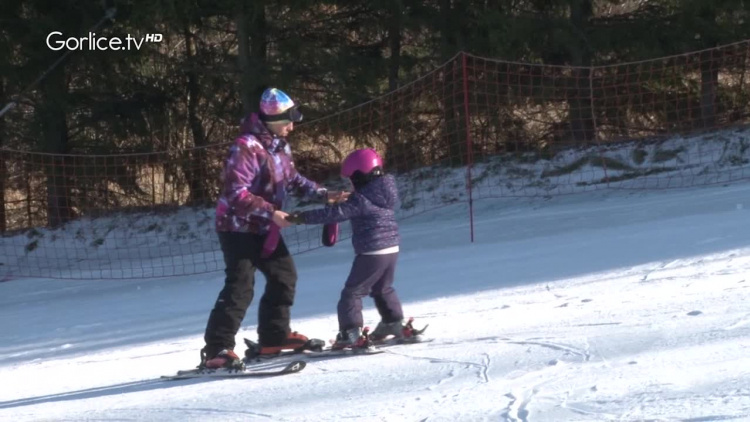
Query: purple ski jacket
point(371, 210)
point(258, 174)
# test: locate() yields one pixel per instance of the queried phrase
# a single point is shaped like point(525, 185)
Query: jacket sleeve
point(242, 169)
point(308, 188)
point(301, 184)
point(343, 211)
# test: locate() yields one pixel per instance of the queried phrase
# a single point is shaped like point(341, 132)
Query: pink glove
point(330, 234)
point(272, 241)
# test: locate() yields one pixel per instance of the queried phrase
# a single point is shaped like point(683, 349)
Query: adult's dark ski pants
point(242, 257)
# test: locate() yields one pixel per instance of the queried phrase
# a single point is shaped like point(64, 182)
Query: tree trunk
point(52, 113)
point(454, 140)
point(397, 152)
point(194, 165)
point(243, 55)
point(395, 16)
point(259, 48)
point(581, 113)
point(252, 34)
point(709, 83)
point(706, 14)
point(3, 168)
point(3, 177)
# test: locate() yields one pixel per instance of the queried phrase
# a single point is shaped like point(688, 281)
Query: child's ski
point(291, 368)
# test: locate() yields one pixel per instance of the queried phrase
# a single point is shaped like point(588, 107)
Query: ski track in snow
point(567, 349)
point(741, 323)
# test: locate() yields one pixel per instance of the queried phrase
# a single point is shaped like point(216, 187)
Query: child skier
point(375, 237)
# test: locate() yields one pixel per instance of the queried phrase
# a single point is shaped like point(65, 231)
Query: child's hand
point(334, 197)
point(280, 218)
point(294, 219)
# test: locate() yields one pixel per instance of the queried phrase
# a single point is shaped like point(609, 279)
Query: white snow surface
point(605, 305)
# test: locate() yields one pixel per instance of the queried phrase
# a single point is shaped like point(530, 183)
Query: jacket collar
point(253, 125)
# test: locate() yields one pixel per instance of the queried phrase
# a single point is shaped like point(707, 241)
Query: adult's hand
point(335, 197)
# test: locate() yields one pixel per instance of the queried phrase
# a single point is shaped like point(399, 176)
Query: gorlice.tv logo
point(56, 41)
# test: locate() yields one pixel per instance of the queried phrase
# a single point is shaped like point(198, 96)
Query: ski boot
point(293, 344)
point(353, 338)
point(224, 359)
point(396, 332)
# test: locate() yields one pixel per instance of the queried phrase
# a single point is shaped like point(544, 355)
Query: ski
point(291, 368)
point(401, 341)
point(343, 352)
point(374, 348)
point(314, 348)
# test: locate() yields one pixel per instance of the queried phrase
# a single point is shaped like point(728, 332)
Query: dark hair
point(360, 179)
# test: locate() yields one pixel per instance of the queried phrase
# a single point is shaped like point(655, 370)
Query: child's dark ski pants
point(373, 275)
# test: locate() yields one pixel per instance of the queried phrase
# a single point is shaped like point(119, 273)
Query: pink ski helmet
point(362, 160)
